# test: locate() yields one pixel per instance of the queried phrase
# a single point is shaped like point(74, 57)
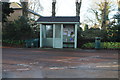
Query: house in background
point(18, 12)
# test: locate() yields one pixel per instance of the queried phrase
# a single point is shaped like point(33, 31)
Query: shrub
point(88, 45)
point(17, 42)
point(105, 45)
point(114, 45)
point(18, 30)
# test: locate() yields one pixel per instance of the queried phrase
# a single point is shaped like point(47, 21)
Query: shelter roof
point(59, 19)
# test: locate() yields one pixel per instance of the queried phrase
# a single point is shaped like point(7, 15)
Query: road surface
point(59, 63)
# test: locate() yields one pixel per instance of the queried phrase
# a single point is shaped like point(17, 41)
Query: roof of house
point(31, 11)
point(17, 6)
point(59, 19)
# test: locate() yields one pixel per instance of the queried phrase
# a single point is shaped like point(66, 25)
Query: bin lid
point(97, 38)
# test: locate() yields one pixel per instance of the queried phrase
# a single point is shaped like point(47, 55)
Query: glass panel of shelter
point(47, 35)
point(68, 33)
point(49, 31)
point(57, 31)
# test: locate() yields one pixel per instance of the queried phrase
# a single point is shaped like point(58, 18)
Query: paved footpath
point(59, 63)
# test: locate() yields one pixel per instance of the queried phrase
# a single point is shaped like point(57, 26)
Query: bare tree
point(102, 12)
point(78, 6)
point(118, 1)
point(104, 15)
point(35, 5)
point(53, 7)
point(24, 7)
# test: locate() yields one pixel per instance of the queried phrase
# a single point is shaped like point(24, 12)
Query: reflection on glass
point(49, 31)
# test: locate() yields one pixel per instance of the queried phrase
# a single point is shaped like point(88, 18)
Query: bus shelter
point(58, 32)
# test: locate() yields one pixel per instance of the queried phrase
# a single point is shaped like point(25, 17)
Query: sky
point(64, 7)
point(67, 8)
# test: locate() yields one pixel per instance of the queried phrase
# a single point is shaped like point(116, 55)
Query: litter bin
point(35, 42)
point(97, 42)
point(32, 43)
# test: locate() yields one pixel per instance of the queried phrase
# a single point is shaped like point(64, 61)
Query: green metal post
point(40, 35)
point(62, 35)
point(75, 45)
point(53, 35)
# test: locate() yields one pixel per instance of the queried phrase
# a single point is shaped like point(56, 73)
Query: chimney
point(53, 7)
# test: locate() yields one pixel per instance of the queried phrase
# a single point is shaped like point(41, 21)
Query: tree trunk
point(118, 5)
point(53, 8)
point(104, 17)
point(119, 9)
point(24, 8)
point(78, 6)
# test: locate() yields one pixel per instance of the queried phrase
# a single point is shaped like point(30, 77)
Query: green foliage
point(79, 31)
point(79, 36)
point(88, 45)
point(94, 32)
point(105, 45)
point(114, 33)
point(18, 30)
point(117, 16)
point(17, 42)
point(6, 10)
point(85, 27)
point(111, 45)
point(114, 29)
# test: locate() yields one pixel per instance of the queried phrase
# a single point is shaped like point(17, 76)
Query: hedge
point(17, 42)
point(104, 45)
